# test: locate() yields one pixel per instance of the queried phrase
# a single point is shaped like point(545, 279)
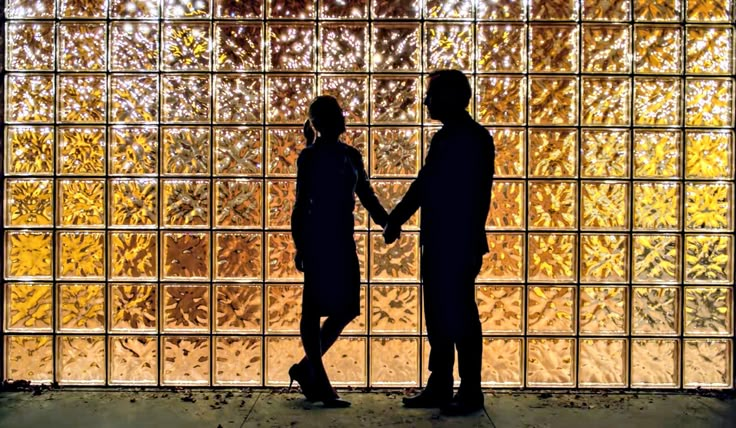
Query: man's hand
point(308, 132)
point(391, 232)
point(299, 262)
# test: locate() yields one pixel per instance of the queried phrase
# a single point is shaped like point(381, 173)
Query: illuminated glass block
point(80, 255)
point(238, 256)
point(510, 152)
point(81, 308)
point(501, 48)
point(398, 9)
point(605, 153)
point(708, 311)
point(603, 310)
point(501, 308)
point(299, 9)
point(281, 198)
point(288, 98)
point(346, 362)
point(708, 154)
point(553, 48)
point(81, 203)
point(553, 100)
point(709, 258)
point(81, 47)
point(394, 361)
point(709, 50)
point(605, 205)
point(82, 9)
point(604, 258)
point(502, 362)
point(81, 99)
point(659, 10)
point(186, 46)
point(30, 46)
point(655, 311)
point(448, 46)
point(133, 308)
point(28, 255)
point(507, 205)
point(551, 310)
point(29, 98)
point(551, 257)
point(238, 361)
point(655, 363)
point(658, 49)
point(603, 363)
point(186, 360)
point(134, 46)
point(238, 151)
point(133, 360)
point(238, 46)
point(283, 146)
point(656, 259)
point(551, 10)
point(350, 9)
point(185, 308)
point(396, 47)
point(351, 92)
point(552, 153)
point(656, 154)
point(389, 193)
point(28, 307)
point(238, 308)
point(452, 9)
point(133, 151)
point(81, 360)
point(708, 206)
point(29, 150)
point(657, 101)
point(133, 98)
point(29, 358)
point(29, 203)
point(550, 363)
point(395, 152)
point(606, 48)
point(395, 100)
point(501, 10)
point(505, 259)
point(185, 203)
point(185, 98)
point(185, 255)
point(394, 309)
point(397, 262)
point(186, 9)
point(708, 363)
point(709, 10)
point(238, 203)
point(657, 206)
point(552, 205)
point(616, 10)
point(343, 47)
point(280, 253)
point(290, 47)
point(281, 353)
point(134, 202)
point(709, 102)
point(133, 256)
point(606, 101)
point(186, 151)
point(501, 100)
point(20, 9)
point(238, 9)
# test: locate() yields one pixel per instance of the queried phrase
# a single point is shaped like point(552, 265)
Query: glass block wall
point(149, 165)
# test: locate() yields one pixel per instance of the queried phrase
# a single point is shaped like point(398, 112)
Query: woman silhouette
point(329, 175)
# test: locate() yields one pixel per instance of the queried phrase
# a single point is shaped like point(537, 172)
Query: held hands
point(391, 232)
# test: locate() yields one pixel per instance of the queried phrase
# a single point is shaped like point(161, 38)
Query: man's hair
point(451, 85)
point(326, 114)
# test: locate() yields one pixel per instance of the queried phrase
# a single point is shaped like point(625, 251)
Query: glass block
point(389, 193)
point(708, 154)
point(291, 9)
point(81, 150)
point(238, 10)
point(552, 153)
point(603, 310)
point(551, 310)
point(238, 361)
point(280, 253)
point(29, 46)
point(396, 47)
point(605, 153)
point(186, 46)
point(553, 48)
point(551, 10)
point(288, 98)
point(394, 309)
point(28, 307)
point(351, 93)
point(552, 205)
point(239, 308)
point(238, 151)
point(553, 100)
point(134, 202)
point(238, 256)
point(133, 256)
point(186, 255)
point(238, 46)
point(655, 311)
point(501, 48)
point(81, 360)
point(550, 363)
point(133, 308)
point(657, 154)
point(501, 308)
point(606, 48)
point(606, 101)
point(708, 206)
point(658, 49)
point(659, 10)
point(510, 152)
point(20, 9)
point(398, 9)
point(396, 262)
point(350, 9)
point(81, 99)
point(359, 324)
point(395, 152)
point(185, 308)
point(80, 255)
point(185, 9)
point(616, 10)
point(452, 9)
point(81, 203)
point(281, 353)
point(708, 102)
point(133, 360)
point(394, 361)
point(657, 101)
point(501, 100)
point(283, 148)
point(82, 9)
point(605, 205)
point(290, 47)
point(657, 206)
point(29, 98)
point(501, 10)
point(185, 98)
point(708, 363)
point(505, 259)
point(709, 50)
point(185, 203)
point(551, 257)
point(27, 255)
point(134, 9)
point(503, 362)
point(603, 363)
point(507, 205)
point(709, 10)
point(343, 47)
point(708, 311)
point(134, 98)
point(395, 100)
point(80, 47)
point(448, 46)
point(186, 360)
point(655, 363)
point(29, 358)
point(346, 362)
point(239, 203)
point(238, 98)
point(29, 150)
point(186, 151)
point(281, 198)
point(134, 46)
point(656, 259)
point(29, 203)
point(133, 150)
point(604, 258)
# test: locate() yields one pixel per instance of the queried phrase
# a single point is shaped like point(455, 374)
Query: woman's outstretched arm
point(365, 192)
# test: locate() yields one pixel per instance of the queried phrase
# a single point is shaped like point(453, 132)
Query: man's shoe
point(463, 404)
point(427, 400)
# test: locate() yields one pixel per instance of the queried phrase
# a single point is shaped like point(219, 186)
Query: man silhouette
point(454, 191)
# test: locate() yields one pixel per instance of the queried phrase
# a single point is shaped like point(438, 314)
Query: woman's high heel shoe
point(297, 374)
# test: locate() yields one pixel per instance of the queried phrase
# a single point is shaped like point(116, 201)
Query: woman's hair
point(326, 116)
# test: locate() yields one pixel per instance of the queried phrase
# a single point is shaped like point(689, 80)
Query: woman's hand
point(308, 132)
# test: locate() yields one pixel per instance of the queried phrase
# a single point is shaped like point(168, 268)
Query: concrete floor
point(270, 408)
